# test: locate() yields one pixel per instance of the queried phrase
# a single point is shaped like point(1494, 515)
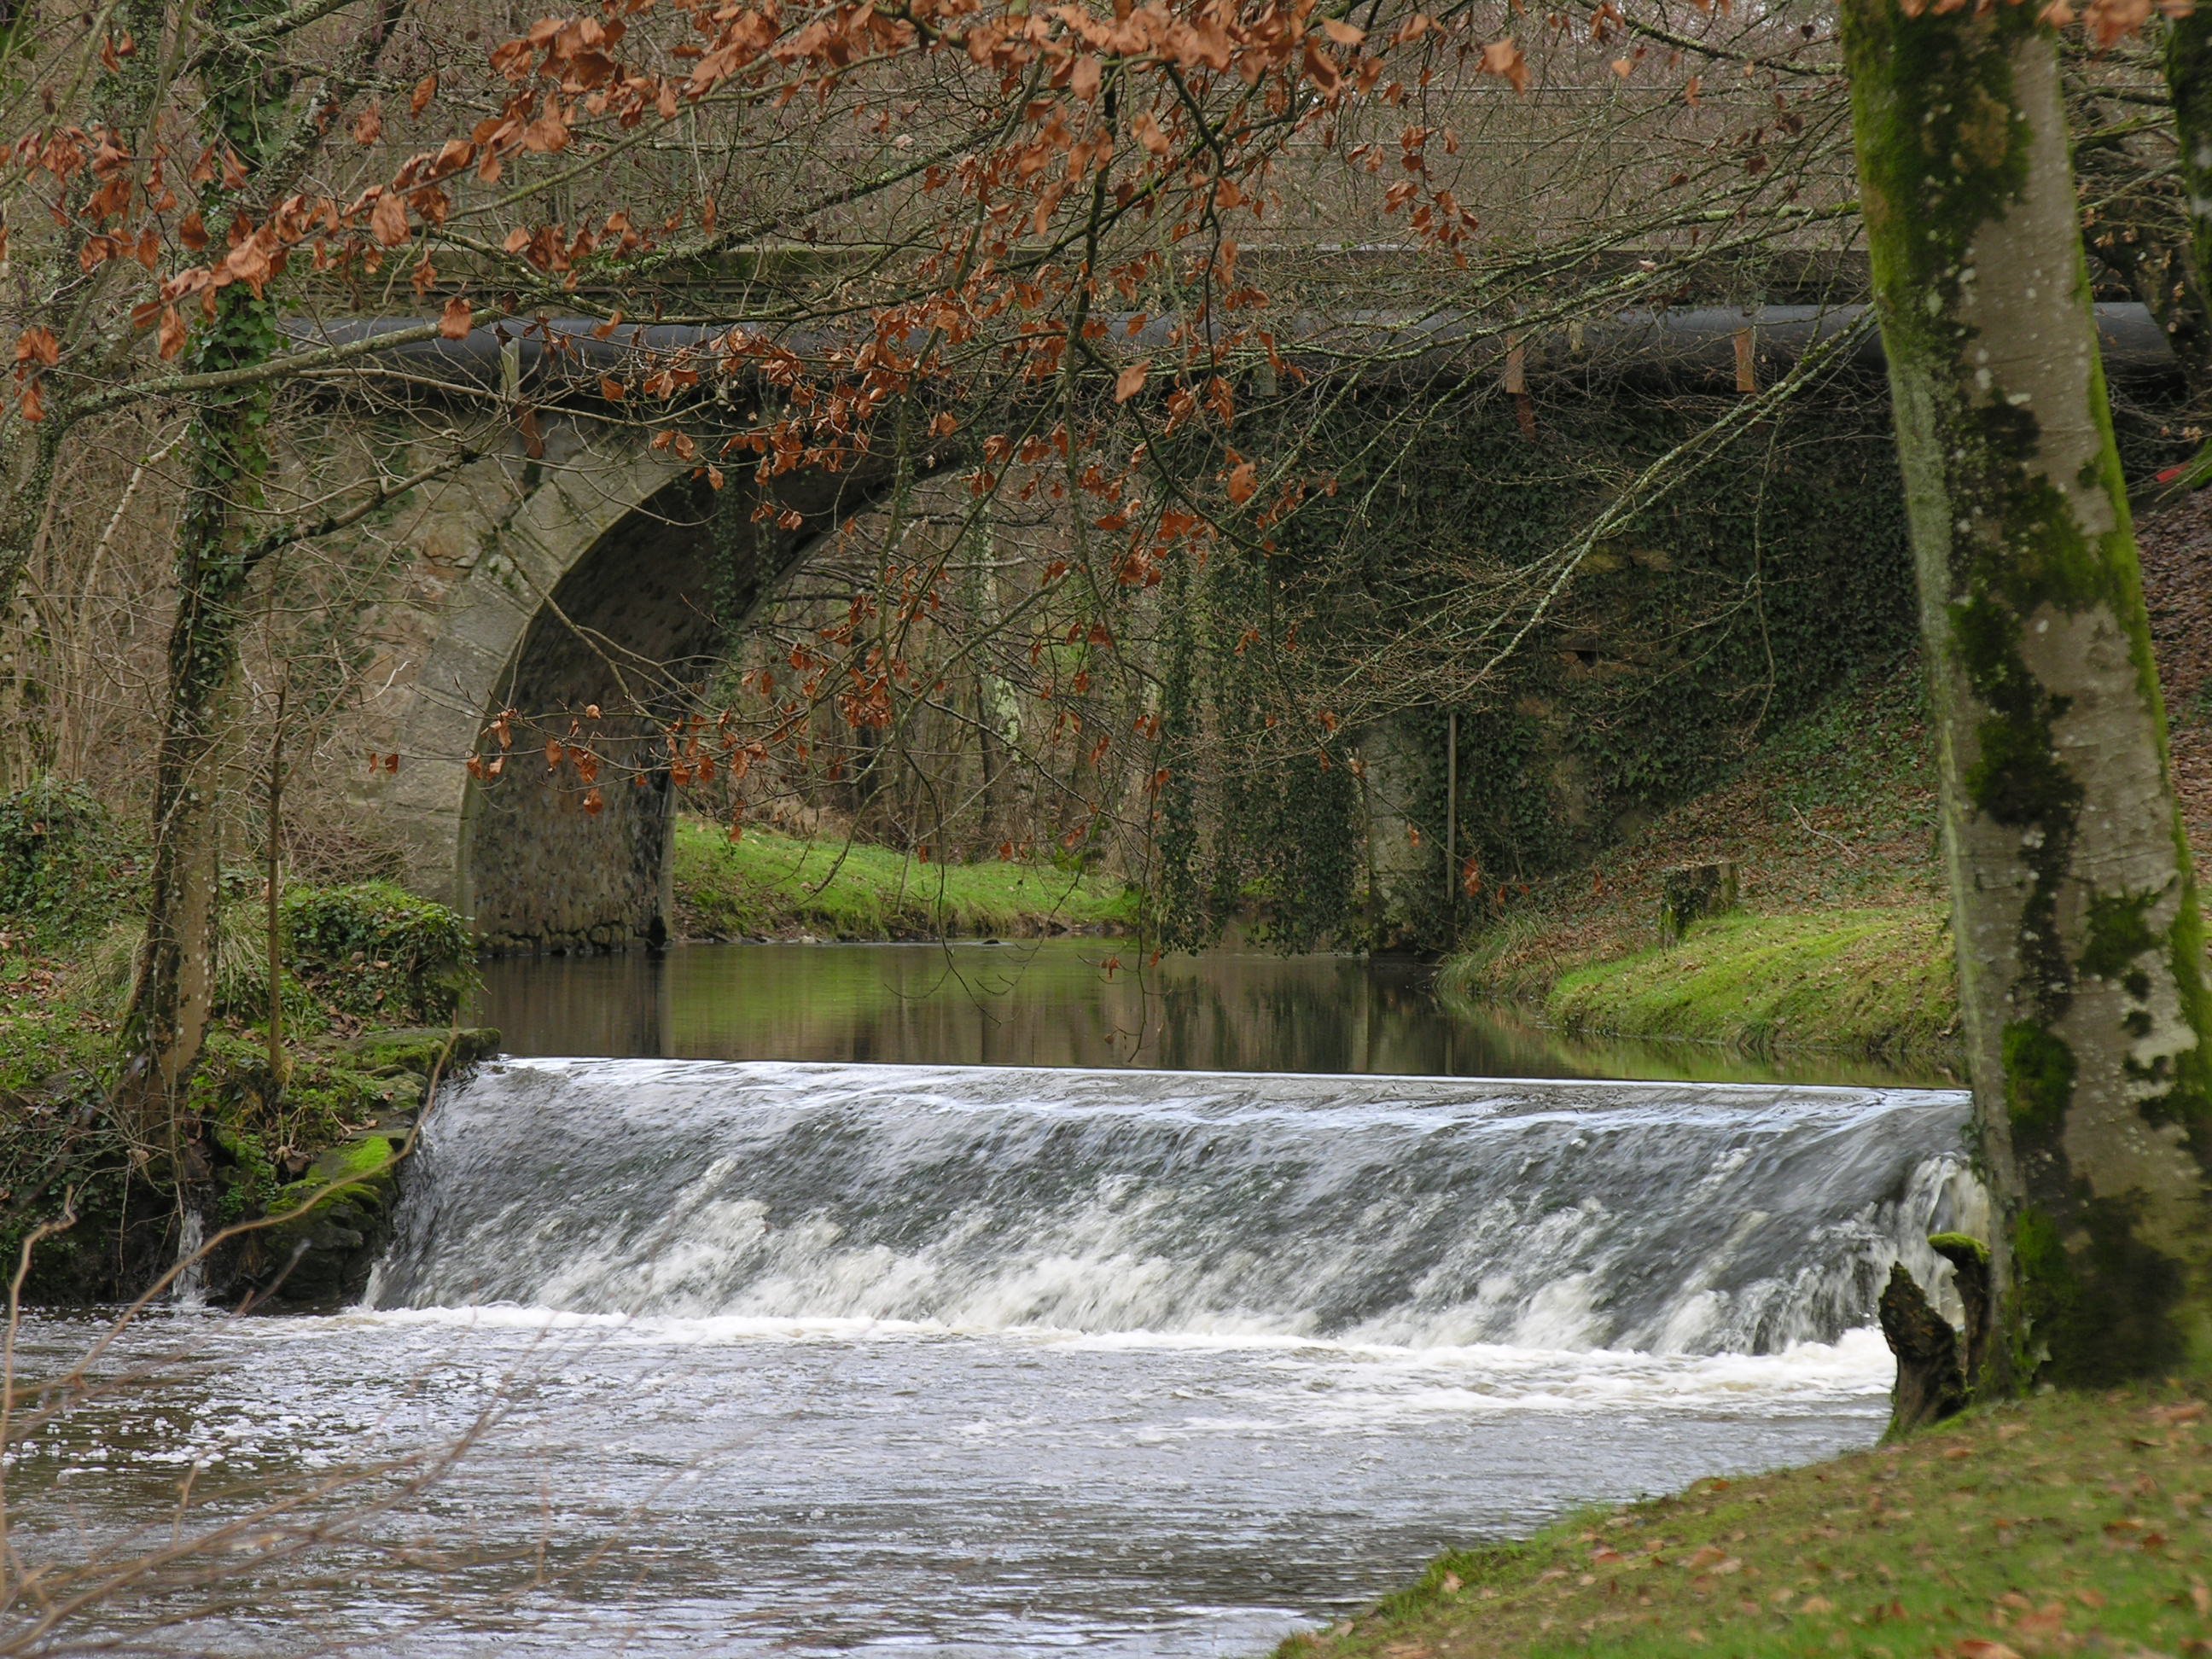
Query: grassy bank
point(2068, 1523)
point(768, 886)
point(1840, 947)
point(370, 980)
point(1831, 821)
point(1878, 981)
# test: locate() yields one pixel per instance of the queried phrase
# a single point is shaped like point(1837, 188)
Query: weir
point(1406, 1212)
point(787, 1359)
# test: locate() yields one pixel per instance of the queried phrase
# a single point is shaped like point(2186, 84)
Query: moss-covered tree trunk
point(174, 996)
point(2189, 83)
point(2081, 952)
point(227, 455)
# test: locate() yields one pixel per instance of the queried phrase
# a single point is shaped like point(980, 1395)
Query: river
point(807, 1300)
point(1081, 1002)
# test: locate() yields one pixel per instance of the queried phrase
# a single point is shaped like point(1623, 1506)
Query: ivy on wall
point(1766, 584)
point(1275, 844)
point(1757, 588)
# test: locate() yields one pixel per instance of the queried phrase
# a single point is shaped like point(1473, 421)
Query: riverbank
point(1874, 982)
point(768, 885)
point(305, 1134)
point(1841, 945)
point(2063, 1523)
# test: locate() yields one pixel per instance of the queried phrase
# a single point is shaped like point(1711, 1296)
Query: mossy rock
point(1959, 1247)
point(333, 1224)
point(334, 1221)
point(357, 1169)
point(423, 1050)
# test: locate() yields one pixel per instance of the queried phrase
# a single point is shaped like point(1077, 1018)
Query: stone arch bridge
point(564, 571)
point(575, 565)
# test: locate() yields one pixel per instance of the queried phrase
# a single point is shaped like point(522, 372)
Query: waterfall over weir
point(1402, 1213)
point(793, 1361)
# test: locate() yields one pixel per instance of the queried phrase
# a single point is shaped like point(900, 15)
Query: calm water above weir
point(1088, 1002)
point(802, 1351)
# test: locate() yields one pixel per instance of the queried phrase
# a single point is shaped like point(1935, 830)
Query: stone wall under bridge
point(589, 574)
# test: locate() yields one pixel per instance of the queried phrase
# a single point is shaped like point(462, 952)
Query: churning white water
point(806, 1358)
point(1410, 1212)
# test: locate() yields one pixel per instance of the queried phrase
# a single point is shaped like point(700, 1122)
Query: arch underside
point(582, 575)
point(627, 629)
point(635, 628)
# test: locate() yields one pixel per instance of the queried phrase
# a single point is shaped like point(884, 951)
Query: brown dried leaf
point(1503, 59)
point(388, 223)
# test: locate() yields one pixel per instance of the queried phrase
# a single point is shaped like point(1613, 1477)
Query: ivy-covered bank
point(305, 1136)
point(1842, 946)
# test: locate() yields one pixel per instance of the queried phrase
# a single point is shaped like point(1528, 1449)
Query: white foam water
point(1402, 1213)
point(189, 1289)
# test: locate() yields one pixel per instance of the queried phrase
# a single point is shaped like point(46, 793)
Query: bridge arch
point(591, 573)
point(533, 580)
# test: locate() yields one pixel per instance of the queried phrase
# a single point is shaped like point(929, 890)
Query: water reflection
point(1084, 1002)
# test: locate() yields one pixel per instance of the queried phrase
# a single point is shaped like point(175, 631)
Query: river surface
point(745, 1338)
point(1083, 1002)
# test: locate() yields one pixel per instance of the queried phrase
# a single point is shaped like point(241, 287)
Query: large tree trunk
point(2081, 952)
point(174, 996)
point(226, 456)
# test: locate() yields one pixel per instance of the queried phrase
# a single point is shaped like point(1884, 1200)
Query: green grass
point(1872, 982)
point(2068, 1523)
point(1832, 815)
point(769, 885)
point(1840, 950)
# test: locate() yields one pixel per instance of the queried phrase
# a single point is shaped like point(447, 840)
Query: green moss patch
point(2069, 1523)
point(423, 1052)
point(329, 1226)
point(768, 885)
point(354, 1170)
point(66, 866)
point(1877, 982)
point(377, 952)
